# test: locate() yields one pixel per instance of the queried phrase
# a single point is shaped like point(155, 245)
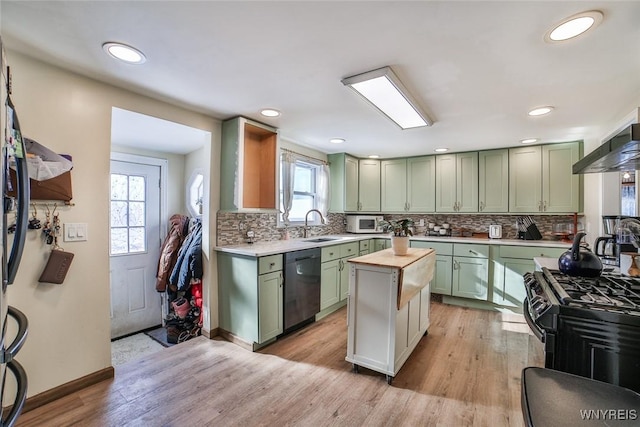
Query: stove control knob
point(538, 304)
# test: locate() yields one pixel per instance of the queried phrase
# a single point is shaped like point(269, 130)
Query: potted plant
point(401, 230)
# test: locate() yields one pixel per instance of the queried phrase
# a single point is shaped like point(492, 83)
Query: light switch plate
point(75, 231)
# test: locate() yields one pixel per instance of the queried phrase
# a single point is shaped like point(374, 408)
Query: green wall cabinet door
point(344, 183)
point(493, 183)
point(457, 182)
point(561, 190)
point(394, 185)
point(525, 179)
point(270, 297)
point(421, 184)
point(369, 185)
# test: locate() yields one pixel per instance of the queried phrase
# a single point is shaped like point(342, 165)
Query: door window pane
point(127, 216)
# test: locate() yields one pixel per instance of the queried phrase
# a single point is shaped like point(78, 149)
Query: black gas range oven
point(589, 326)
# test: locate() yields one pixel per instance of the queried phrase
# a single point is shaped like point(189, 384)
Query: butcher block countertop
point(415, 269)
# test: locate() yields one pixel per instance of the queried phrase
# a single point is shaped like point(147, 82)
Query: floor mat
point(133, 347)
point(160, 335)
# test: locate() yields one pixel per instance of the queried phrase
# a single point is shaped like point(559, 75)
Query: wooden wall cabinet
point(248, 165)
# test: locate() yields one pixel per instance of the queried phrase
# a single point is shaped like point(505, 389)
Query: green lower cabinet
point(508, 283)
point(381, 244)
point(470, 278)
point(270, 297)
point(443, 275)
point(250, 296)
point(329, 283)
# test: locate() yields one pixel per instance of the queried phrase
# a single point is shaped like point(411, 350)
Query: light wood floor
point(466, 372)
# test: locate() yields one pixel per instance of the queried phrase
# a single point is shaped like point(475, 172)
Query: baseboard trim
point(211, 334)
point(56, 393)
point(235, 339)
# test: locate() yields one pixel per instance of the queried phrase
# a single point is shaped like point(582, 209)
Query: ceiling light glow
point(374, 156)
point(573, 26)
point(124, 53)
point(270, 112)
point(337, 140)
point(383, 90)
point(441, 150)
point(540, 111)
point(529, 140)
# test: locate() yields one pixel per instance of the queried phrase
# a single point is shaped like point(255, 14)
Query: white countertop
point(259, 249)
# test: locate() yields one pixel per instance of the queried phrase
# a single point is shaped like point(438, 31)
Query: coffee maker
point(615, 241)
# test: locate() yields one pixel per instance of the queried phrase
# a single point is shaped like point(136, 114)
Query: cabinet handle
point(340, 264)
point(455, 265)
point(539, 205)
point(473, 252)
point(330, 253)
point(281, 279)
point(481, 206)
point(544, 206)
point(272, 264)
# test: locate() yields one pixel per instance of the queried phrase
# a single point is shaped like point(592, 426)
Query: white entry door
point(134, 247)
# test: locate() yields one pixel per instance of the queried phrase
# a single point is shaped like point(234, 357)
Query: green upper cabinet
point(344, 183)
point(541, 179)
point(394, 185)
point(408, 185)
point(421, 184)
point(355, 184)
point(525, 179)
point(493, 181)
point(457, 182)
point(369, 185)
point(561, 190)
point(248, 165)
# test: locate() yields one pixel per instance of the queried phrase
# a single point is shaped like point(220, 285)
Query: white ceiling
point(477, 66)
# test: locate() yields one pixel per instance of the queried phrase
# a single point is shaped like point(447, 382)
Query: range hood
point(622, 152)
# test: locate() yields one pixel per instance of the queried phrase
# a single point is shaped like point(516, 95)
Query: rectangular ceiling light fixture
point(383, 90)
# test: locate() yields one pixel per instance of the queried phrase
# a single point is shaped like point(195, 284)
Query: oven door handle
point(537, 331)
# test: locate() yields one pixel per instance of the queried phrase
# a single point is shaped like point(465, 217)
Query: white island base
point(388, 308)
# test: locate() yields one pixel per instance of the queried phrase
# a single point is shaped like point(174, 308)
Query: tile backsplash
point(232, 227)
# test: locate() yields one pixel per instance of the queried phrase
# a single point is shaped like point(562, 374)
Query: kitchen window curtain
point(288, 169)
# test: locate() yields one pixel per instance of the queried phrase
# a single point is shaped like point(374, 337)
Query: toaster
point(495, 231)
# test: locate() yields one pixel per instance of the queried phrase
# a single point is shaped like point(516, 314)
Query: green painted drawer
point(471, 250)
point(267, 264)
point(365, 245)
point(523, 252)
point(349, 249)
point(329, 253)
point(441, 248)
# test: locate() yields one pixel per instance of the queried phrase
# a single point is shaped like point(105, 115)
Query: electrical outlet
point(421, 222)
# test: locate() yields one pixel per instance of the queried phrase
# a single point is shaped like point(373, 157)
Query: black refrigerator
point(12, 239)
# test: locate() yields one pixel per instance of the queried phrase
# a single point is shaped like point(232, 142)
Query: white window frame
point(314, 218)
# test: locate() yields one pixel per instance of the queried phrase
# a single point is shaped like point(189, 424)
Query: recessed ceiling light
point(374, 156)
point(539, 111)
point(336, 140)
point(573, 26)
point(441, 150)
point(529, 140)
point(270, 112)
point(125, 53)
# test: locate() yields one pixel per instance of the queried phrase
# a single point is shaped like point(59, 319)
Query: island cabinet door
point(371, 317)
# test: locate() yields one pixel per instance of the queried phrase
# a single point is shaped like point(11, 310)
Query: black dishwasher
point(301, 288)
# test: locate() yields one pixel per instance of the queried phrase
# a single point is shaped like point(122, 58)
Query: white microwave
point(363, 224)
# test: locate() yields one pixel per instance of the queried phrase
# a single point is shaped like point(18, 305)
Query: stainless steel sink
point(321, 239)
